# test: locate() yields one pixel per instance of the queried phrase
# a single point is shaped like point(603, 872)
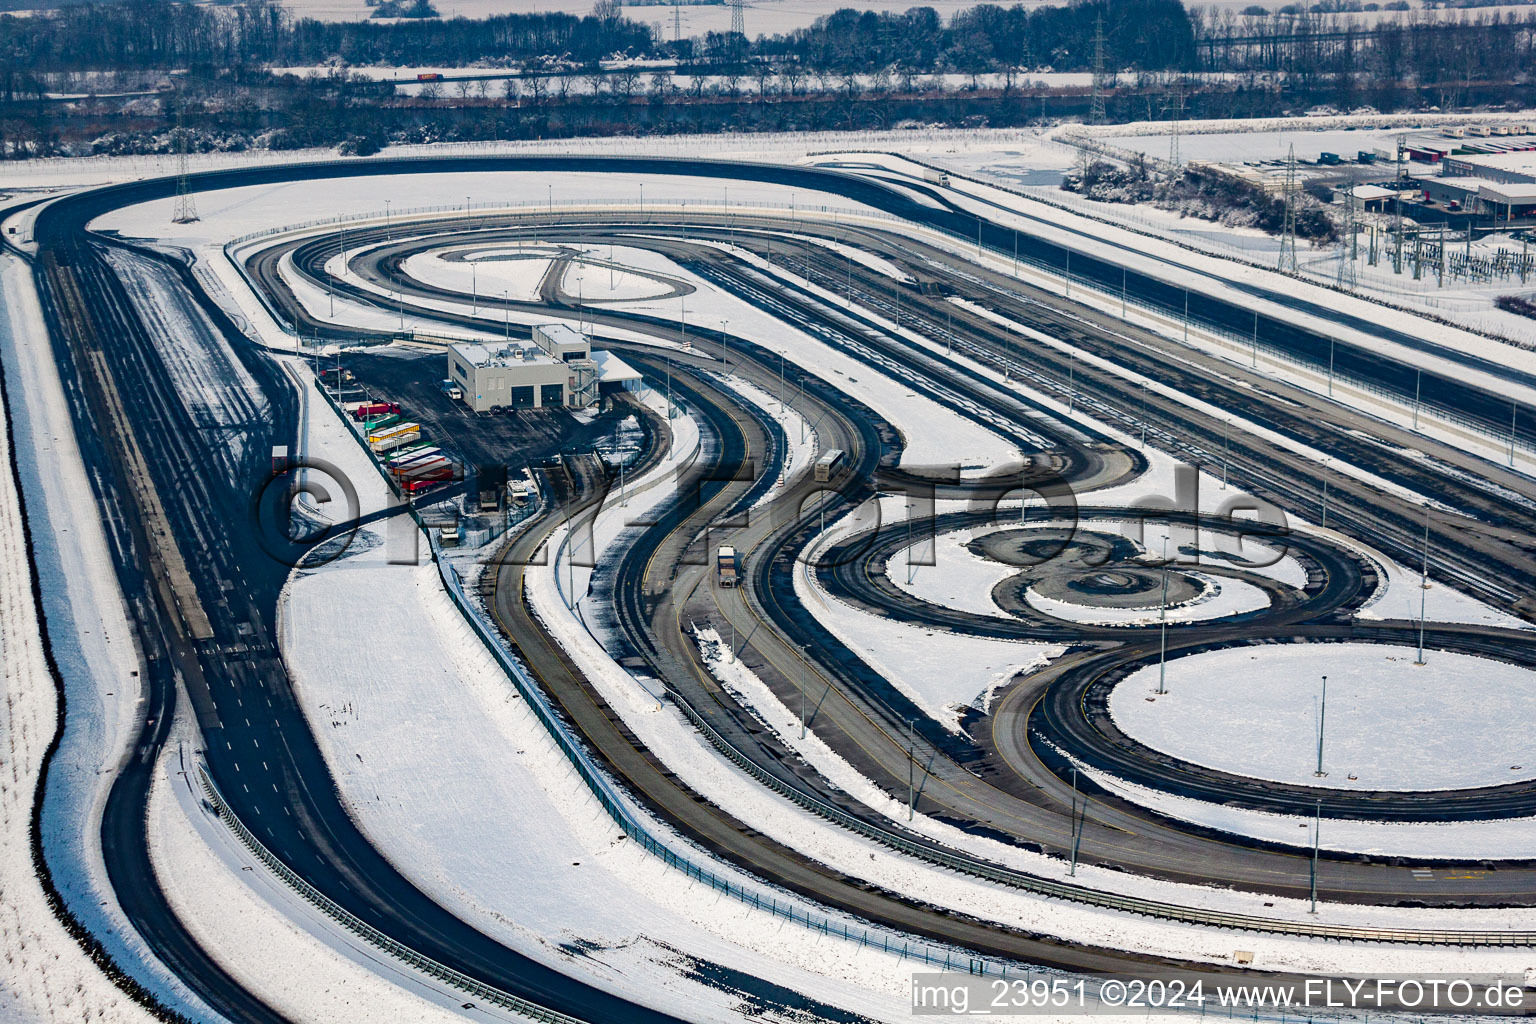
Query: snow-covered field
point(1219, 598)
point(46, 976)
point(1388, 724)
point(1506, 839)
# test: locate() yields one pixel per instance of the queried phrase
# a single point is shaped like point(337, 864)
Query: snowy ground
point(1220, 597)
point(1456, 722)
point(1099, 229)
point(705, 771)
point(46, 976)
point(506, 835)
point(1469, 303)
point(1508, 839)
point(933, 433)
point(264, 933)
point(94, 649)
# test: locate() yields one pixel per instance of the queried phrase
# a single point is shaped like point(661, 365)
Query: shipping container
point(432, 457)
point(392, 431)
point(430, 466)
point(392, 440)
point(408, 452)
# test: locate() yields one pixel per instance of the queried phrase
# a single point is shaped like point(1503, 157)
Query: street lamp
point(1322, 721)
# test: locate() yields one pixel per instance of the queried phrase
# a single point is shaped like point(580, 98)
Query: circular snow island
point(1456, 722)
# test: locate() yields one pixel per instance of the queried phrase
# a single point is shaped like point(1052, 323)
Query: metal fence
point(367, 932)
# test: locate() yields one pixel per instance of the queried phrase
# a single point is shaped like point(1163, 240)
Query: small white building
point(558, 368)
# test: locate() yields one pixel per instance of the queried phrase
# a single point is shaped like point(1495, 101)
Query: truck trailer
point(935, 177)
point(376, 423)
point(367, 410)
point(394, 436)
point(408, 452)
point(726, 567)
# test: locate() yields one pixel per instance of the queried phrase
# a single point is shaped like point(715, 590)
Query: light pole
point(1423, 587)
point(725, 361)
point(506, 322)
point(1322, 722)
point(911, 769)
point(804, 685)
point(1162, 654)
point(474, 286)
point(1317, 828)
point(389, 232)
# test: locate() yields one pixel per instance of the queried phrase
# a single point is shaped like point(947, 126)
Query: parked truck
point(404, 466)
point(423, 467)
point(415, 485)
point(377, 423)
point(406, 453)
point(725, 566)
point(938, 178)
point(367, 410)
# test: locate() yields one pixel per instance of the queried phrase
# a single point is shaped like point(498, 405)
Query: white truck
point(938, 178)
point(726, 567)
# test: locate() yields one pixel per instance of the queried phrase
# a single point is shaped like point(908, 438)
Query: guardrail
point(367, 932)
point(608, 798)
point(603, 789)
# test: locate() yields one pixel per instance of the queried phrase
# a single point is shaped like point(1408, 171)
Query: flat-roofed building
point(558, 368)
point(1509, 168)
point(517, 376)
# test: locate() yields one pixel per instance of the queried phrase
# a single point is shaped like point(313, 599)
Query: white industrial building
point(556, 368)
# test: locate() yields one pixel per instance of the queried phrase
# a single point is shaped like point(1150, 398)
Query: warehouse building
point(1503, 168)
point(556, 369)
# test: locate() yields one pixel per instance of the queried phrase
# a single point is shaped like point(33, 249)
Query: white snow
point(1457, 721)
point(1219, 598)
point(1402, 596)
point(504, 834)
point(264, 933)
point(513, 272)
point(942, 673)
point(46, 974)
point(1506, 839)
point(958, 577)
point(94, 649)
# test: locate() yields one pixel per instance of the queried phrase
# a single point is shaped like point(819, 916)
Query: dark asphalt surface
point(237, 661)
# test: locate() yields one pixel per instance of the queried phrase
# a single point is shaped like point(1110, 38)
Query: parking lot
point(516, 439)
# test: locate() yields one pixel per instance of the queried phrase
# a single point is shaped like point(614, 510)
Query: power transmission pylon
point(1174, 107)
point(1397, 209)
point(1288, 263)
point(738, 26)
point(1096, 112)
point(185, 211)
point(1349, 247)
point(677, 22)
